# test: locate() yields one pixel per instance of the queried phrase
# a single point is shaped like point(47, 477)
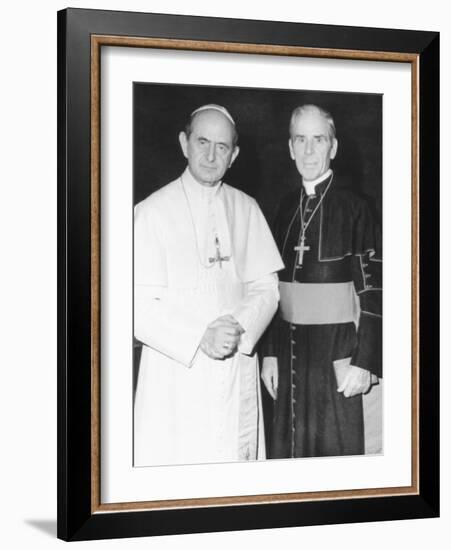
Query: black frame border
point(75, 518)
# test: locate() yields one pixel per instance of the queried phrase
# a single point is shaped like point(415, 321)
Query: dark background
point(263, 168)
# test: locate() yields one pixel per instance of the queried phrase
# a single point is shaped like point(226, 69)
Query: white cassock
point(190, 408)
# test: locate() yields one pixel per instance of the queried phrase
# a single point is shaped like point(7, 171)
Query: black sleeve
point(269, 343)
point(367, 277)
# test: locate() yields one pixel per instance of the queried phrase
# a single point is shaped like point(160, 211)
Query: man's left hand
point(230, 319)
point(357, 381)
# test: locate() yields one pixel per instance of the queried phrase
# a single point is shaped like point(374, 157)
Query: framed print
point(233, 197)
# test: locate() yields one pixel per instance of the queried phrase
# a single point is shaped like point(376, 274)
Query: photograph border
point(81, 35)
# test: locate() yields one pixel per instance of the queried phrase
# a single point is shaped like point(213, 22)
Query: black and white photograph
point(257, 274)
point(246, 334)
point(201, 205)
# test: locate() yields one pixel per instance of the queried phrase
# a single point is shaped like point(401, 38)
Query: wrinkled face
point(209, 148)
point(311, 146)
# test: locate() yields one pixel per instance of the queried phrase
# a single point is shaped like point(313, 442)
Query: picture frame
point(81, 36)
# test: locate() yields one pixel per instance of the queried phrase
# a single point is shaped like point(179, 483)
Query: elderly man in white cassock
point(206, 288)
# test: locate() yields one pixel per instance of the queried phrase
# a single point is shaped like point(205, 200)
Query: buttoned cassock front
point(190, 408)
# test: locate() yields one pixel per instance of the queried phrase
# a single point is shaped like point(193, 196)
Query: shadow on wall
point(47, 526)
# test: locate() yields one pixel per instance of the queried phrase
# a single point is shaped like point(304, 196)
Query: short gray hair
point(304, 109)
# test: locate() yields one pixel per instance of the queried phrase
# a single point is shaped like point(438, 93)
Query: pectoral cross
point(301, 249)
point(218, 258)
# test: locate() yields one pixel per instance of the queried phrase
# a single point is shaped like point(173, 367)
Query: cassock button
point(369, 286)
point(293, 357)
point(293, 341)
point(364, 265)
point(293, 327)
point(293, 371)
point(367, 275)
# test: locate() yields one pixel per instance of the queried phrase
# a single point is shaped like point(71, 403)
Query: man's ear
point(333, 151)
point(183, 140)
point(235, 153)
point(290, 146)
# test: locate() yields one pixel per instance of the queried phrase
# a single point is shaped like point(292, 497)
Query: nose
point(309, 147)
point(211, 154)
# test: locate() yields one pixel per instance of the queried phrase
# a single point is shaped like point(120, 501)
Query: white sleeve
point(160, 322)
point(255, 311)
point(166, 327)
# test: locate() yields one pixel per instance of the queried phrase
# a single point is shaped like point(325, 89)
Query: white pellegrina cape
point(190, 408)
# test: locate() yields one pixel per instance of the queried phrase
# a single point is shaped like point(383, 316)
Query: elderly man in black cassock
point(323, 350)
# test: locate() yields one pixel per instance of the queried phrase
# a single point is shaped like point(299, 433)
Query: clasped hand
point(222, 337)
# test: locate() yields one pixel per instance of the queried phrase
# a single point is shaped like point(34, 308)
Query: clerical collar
point(309, 186)
point(196, 188)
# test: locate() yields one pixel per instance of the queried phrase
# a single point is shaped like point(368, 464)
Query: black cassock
point(310, 417)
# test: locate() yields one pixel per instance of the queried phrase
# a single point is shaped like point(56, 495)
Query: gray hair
point(304, 109)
